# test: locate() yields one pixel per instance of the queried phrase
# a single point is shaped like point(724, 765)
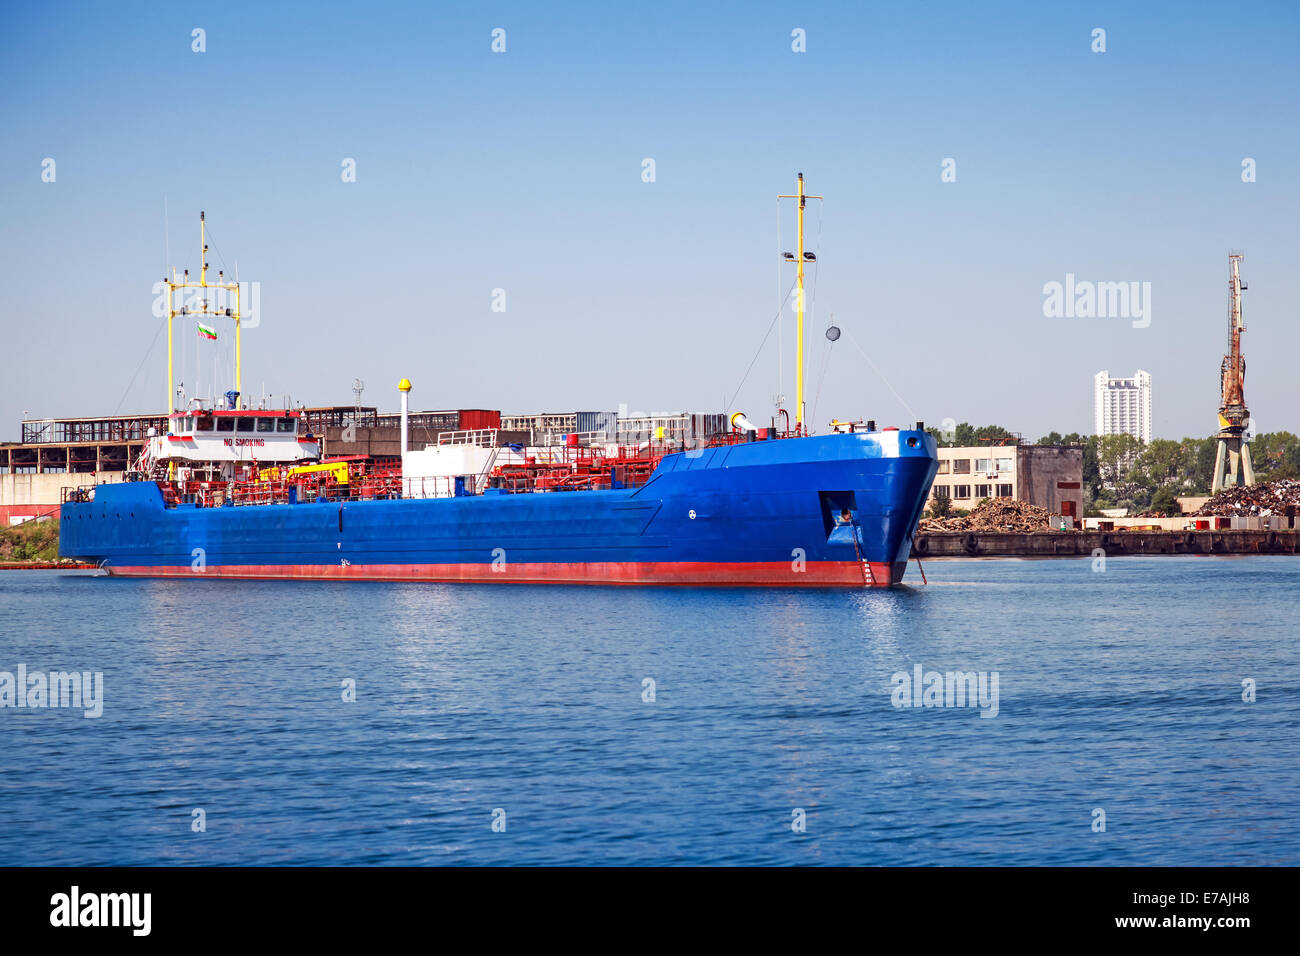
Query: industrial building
point(1049, 476)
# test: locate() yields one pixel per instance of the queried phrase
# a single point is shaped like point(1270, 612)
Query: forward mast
point(800, 258)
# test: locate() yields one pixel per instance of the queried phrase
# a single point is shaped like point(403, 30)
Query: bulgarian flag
point(206, 332)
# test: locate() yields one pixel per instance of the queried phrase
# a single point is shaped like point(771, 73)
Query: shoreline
point(1083, 544)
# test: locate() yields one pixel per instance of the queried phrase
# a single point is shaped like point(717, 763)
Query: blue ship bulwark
point(766, 513)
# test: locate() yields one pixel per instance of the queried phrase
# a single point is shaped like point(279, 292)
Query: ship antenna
point(222, 283)
point(799, 258)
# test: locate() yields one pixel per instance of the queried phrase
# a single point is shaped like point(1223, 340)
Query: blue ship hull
point(766, 513)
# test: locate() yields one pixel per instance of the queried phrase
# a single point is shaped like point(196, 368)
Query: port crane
point(1232, 464)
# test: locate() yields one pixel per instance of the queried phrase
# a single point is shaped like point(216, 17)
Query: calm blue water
point(1118, 690)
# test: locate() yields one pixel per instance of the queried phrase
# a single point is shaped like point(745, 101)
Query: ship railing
point(79, 494)
point(547, 455)
point(485, 437)
point(585, 439)
point(262, 493)
point(555, 456)
point(590, 474)
point(170, 496)
point(375, 486)
point(437, 486)
point(359, 487)
point(211, 497)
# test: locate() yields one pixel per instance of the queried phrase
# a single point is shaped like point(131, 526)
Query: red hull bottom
point(816, 574)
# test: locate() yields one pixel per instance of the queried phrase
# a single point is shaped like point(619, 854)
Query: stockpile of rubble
point(994, 514)
point(1270, 498)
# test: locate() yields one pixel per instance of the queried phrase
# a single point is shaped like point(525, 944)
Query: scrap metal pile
point(994, 514)
point(1270, 498)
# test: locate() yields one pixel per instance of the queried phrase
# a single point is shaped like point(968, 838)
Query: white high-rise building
point(1123, 405)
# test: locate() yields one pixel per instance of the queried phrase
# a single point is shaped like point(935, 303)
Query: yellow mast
point(172, 312)
point(239, 387)
point(799, 308)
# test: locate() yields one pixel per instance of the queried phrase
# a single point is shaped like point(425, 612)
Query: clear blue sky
point(522, 171)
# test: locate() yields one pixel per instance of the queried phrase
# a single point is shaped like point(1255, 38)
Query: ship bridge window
point(284, 425)
point(245, 425)
point(225, 424)
point(204, 424)
point(266, 424)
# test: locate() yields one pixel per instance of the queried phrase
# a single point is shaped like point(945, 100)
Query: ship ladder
point(480, 482)
point(868, 579)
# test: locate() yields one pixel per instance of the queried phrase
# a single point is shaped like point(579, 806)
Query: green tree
point(967, 435)
point(942, 506)
point(1115, 457)
point(1165, 502)
point(1118, 480)
point(992, 435)
point(1203, 470)
point(1275, 455)
point(1091, 468)
point(1160, 462)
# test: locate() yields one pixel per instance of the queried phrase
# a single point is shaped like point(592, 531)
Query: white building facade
point(1122, 405)
point(1049, 476)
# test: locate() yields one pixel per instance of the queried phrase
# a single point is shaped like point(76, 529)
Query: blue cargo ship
point(821, 510)
point(242, 493)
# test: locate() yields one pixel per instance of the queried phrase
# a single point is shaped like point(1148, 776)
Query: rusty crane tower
point(1232, 464)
